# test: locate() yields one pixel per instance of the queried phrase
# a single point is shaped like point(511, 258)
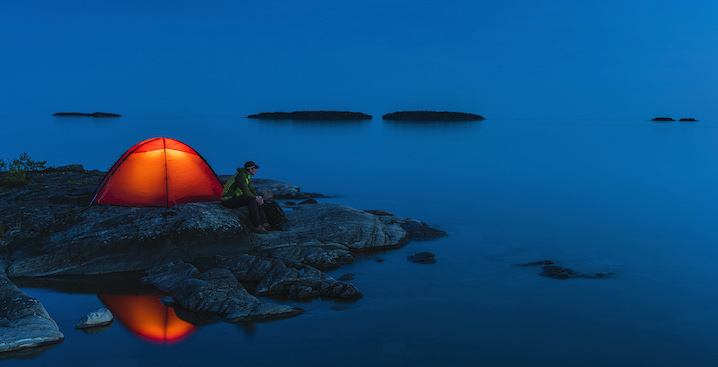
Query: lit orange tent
point(159, 172)
point(145, 316)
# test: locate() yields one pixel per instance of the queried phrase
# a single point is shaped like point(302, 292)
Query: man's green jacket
point(239, 185)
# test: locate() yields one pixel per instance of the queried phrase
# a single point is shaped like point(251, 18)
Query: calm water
point(636, 198)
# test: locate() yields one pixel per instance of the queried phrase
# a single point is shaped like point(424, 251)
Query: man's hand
point(260, 200)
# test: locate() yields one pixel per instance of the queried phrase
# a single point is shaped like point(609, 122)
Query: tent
point(145, 316)
point(159, 172)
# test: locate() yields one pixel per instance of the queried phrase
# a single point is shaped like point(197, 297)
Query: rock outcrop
point(201, 253)
point(214, 292)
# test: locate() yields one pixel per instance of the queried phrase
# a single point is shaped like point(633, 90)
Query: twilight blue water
point(635, 198)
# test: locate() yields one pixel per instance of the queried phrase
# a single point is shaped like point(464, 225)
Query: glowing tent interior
point(145, 316)
point(159, 172)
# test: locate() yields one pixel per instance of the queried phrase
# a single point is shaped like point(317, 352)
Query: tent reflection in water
point(145, 316)
point(159, 172)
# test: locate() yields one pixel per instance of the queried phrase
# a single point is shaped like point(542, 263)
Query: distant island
point(662, 119)
point(688, 119)
point(311, 115)
point(94, 114)
point(431, 116)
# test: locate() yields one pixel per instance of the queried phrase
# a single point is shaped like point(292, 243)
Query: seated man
point(238, 191)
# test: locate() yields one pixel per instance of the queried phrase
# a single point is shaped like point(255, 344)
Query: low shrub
point(14, 172)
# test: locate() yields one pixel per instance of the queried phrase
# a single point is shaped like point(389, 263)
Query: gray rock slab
point(24, 322)
point(97, 318)
point(107, 239)
point(277, 278)
point(214, 292)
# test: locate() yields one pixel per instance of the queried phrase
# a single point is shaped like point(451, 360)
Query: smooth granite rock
point(48, 229)
point(214, 292)
point(24, 322)
point(97, 318)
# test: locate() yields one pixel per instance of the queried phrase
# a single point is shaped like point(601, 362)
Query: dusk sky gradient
point(499, 59)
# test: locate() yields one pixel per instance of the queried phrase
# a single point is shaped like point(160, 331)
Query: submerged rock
point(347, 276)
point(558, 272)
point(550, 270)
point(423, 258)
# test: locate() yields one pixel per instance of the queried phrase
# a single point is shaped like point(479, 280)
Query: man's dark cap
point(250, 164)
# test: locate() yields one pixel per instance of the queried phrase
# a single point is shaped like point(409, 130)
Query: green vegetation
point(14, 172)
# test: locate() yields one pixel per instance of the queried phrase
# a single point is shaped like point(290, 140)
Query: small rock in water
point(422, 258)
point(168, 301)
point(308, 201)
point(99, 317)
point(545, 262)
point(290, 203)
point(348, 276)
point(558, 272)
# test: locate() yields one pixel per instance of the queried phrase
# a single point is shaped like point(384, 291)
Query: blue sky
point(500, 59)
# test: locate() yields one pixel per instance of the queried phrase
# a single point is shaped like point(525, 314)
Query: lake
point(633, 198)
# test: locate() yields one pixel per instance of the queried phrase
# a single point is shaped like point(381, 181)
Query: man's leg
point(232, 203)
point(262, 215)
point(250, 203)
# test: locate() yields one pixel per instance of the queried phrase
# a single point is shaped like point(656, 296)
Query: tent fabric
point(159, 172)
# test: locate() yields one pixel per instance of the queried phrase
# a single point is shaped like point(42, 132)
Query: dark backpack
point(275, 214)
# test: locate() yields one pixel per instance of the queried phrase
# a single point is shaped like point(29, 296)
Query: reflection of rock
point(96, 329)
point(29, 353)
point(431, 116)
point(24, 322)
point(311, 115)
point(423, 258)
point(94, 114)
point(98, 317)
point(214, 292)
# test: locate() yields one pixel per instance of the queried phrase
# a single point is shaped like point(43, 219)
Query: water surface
point(635, 198)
